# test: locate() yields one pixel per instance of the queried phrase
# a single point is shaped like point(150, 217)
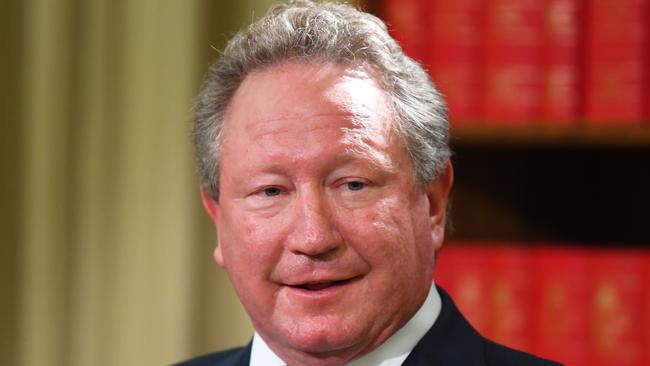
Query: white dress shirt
point(390, 353)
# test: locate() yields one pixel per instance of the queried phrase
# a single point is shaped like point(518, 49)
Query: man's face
point(322, 229)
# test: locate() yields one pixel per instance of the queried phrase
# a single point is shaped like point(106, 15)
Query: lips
point(316, 292)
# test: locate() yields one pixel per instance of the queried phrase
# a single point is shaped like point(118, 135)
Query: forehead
point(294, 95)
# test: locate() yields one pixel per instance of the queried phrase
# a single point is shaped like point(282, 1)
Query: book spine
point(616, 297)
point(454, 41)
point(511, 297)
point(512, 61)
point(646, 70)
point(560, 297)
point(645, 310)
point(463, 271)
point(561, 70)
point(615, 61)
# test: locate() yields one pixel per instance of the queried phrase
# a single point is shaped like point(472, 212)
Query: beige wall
point(105, 255)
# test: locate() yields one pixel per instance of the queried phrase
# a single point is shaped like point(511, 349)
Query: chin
point(324, 339)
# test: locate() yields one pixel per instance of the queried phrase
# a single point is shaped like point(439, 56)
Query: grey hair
point(301, 30)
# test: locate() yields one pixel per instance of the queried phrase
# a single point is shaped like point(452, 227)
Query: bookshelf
point(551, 200)
point(583, 185)
point(540, 135)
point(551, 192)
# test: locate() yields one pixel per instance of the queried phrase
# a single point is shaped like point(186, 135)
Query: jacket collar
point(450, 341)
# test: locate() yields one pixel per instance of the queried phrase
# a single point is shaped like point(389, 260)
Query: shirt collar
point(390, 353)
point(262, 355)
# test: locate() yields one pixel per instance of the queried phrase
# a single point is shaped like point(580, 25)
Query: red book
point(561, 55)
point(512, 61)
point(407, 23)
point(463, 271)
point(561, 300)
point(647, 70)
point(511, 297)
point(615, 61)
point(455, 46)
point(616, 308)
point(646, 309)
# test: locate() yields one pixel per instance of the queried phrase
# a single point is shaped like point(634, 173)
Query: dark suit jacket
point(452, 341)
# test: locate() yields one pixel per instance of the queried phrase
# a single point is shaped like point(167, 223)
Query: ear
point(210, 205)
point(438, 194)
point(213, 210)
point(218, 256)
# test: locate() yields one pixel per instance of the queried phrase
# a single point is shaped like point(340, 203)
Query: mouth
point(319, 286)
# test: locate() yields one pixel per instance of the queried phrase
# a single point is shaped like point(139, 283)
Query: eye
point(355, 185)
point(272, 191)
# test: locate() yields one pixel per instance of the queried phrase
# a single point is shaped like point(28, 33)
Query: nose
point(314, 231)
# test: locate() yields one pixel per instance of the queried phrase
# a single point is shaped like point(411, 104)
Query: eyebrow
point(349, 156)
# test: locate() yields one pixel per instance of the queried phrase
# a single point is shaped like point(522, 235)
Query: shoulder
point(498, 355)
point(234, 357)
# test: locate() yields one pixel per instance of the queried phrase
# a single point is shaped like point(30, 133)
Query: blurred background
point(106, 254)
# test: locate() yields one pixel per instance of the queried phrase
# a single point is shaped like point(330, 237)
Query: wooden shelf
point(637, 136)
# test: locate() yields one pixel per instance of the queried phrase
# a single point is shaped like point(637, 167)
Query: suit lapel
point(450, 341)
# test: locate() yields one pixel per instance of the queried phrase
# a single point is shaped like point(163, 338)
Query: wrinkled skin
point(325, 235)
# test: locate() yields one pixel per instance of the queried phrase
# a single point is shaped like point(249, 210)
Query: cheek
point(396, 235)
point(250, 243)
point(387, 229)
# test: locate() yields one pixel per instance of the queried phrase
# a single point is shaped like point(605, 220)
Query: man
point(323, 152)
